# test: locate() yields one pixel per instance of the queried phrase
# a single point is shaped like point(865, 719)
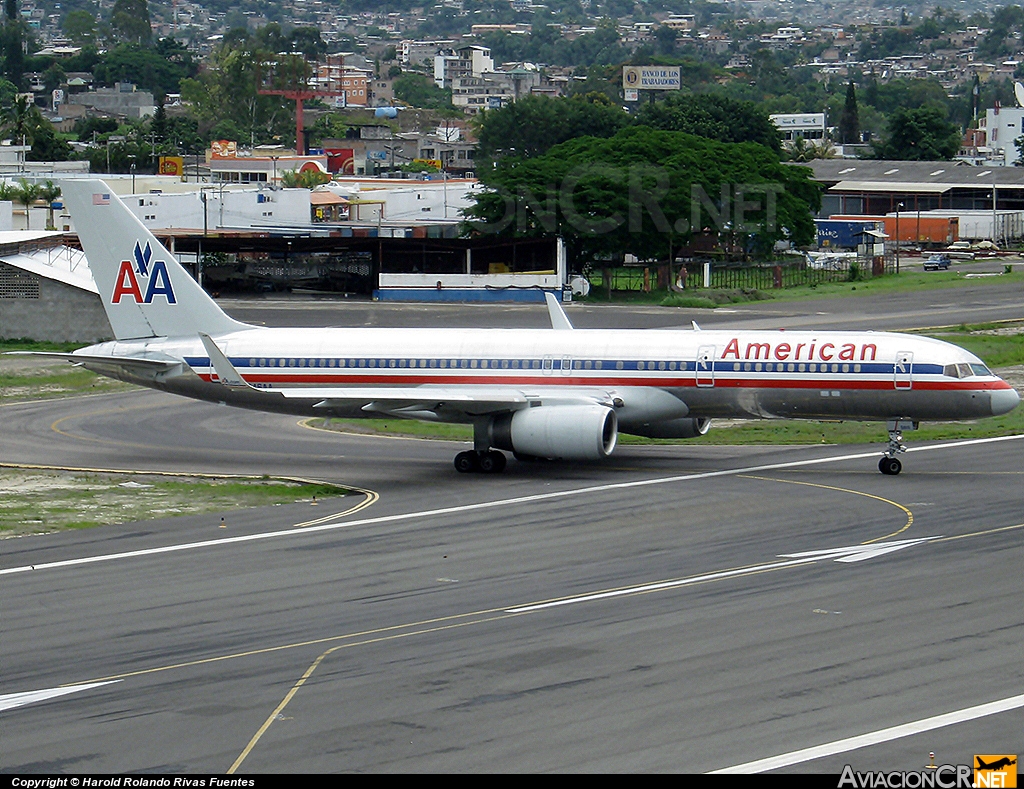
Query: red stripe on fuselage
point(664, 383)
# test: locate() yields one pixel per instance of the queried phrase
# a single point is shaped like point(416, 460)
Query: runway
point(678, 608)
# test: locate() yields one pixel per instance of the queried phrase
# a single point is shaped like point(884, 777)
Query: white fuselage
point(847, 375)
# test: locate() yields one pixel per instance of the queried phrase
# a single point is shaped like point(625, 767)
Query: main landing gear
point(890, 464)
point(481, 458)
point(490, 461)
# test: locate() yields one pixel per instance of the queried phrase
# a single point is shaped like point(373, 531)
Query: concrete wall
point(45, 310)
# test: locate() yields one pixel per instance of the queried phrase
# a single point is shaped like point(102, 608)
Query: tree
point(420, 91)
point(304, 179)
point(12, 38)
point(849, 121)
point(712, 116)
point(49, 191)
point(26, 194)
point(53, 77)
point(129, 21)
point(645, 192)
point(307, 40)
point(532, 125)
point(919, 134)
point(80, 27)
point(226, 93)
point(665, 37)
point(159, 70)
point(800, 150)
point(18, 119)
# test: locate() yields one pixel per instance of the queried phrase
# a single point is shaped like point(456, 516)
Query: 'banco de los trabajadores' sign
point(650, 77)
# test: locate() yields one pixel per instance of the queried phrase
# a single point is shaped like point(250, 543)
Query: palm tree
point(26, 194)
point(49, 191)
point(18, 120)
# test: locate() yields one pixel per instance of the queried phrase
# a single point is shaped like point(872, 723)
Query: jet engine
point(673, 428)
point(570, 432)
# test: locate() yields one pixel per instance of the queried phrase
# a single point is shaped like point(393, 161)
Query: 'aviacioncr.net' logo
point(995, 770)
point(151, 274)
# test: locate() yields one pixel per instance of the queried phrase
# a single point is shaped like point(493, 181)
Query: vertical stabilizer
point(144, 290)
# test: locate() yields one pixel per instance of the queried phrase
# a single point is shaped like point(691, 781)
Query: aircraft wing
point(396, 400)
point(423, 402)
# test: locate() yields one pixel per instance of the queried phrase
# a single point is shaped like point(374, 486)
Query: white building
point(800, 125)
point(469, 61)
point(1002, 126)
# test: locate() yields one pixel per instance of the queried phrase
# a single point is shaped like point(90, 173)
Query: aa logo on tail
point(153, 275)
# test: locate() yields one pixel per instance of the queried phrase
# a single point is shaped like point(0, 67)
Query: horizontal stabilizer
point(113, 361)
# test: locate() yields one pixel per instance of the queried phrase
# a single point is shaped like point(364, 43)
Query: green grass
point(892, 283)
point(441, 431)
point(57, 380)
point(996, 350)
point(795, 431)
point(32, 345)
point(35, 501)
point(905, 282)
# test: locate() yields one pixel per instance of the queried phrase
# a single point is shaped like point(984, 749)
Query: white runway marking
point(483, 505)
point(858, 553)
point(853, 553)
point(12, 700)
point(876, 737)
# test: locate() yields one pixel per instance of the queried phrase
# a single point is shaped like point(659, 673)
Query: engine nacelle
point(673, 428)
point(570, 432)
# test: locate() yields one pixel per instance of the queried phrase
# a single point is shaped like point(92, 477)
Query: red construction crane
point(299, 94)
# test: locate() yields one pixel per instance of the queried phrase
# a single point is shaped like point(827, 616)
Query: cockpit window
point(980, 369)
point(957, 370)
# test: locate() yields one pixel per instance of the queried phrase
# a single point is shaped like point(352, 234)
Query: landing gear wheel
point(890, 466)
point(492, 462)
point(467, 462)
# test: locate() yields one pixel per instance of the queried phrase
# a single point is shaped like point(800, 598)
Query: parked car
point(937, 262)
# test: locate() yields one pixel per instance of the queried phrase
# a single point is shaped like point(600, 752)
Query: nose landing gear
point(890, 464)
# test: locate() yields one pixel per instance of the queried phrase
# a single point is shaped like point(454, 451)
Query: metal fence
point(759, 276)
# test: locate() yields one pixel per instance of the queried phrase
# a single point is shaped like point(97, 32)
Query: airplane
point(996, 765)
point(557, 393)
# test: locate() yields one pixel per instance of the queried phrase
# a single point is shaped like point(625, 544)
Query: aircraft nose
point(1004, 401)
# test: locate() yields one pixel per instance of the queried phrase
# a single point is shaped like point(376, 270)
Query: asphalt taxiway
point(677, 608)
point(986, 299)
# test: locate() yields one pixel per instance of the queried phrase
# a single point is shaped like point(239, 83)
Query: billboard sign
point(651, 78)
point(172, 165)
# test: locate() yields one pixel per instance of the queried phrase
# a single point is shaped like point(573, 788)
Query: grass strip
point(34, 501)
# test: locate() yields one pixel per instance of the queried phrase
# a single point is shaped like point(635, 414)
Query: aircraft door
point(566, 368)
point(706, 365)
point(904, 370)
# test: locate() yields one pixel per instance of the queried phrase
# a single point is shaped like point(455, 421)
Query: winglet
point(226, 371)
point(559, 321)
point(695, 326)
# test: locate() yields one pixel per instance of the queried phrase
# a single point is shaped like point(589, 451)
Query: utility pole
point(898, 207)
